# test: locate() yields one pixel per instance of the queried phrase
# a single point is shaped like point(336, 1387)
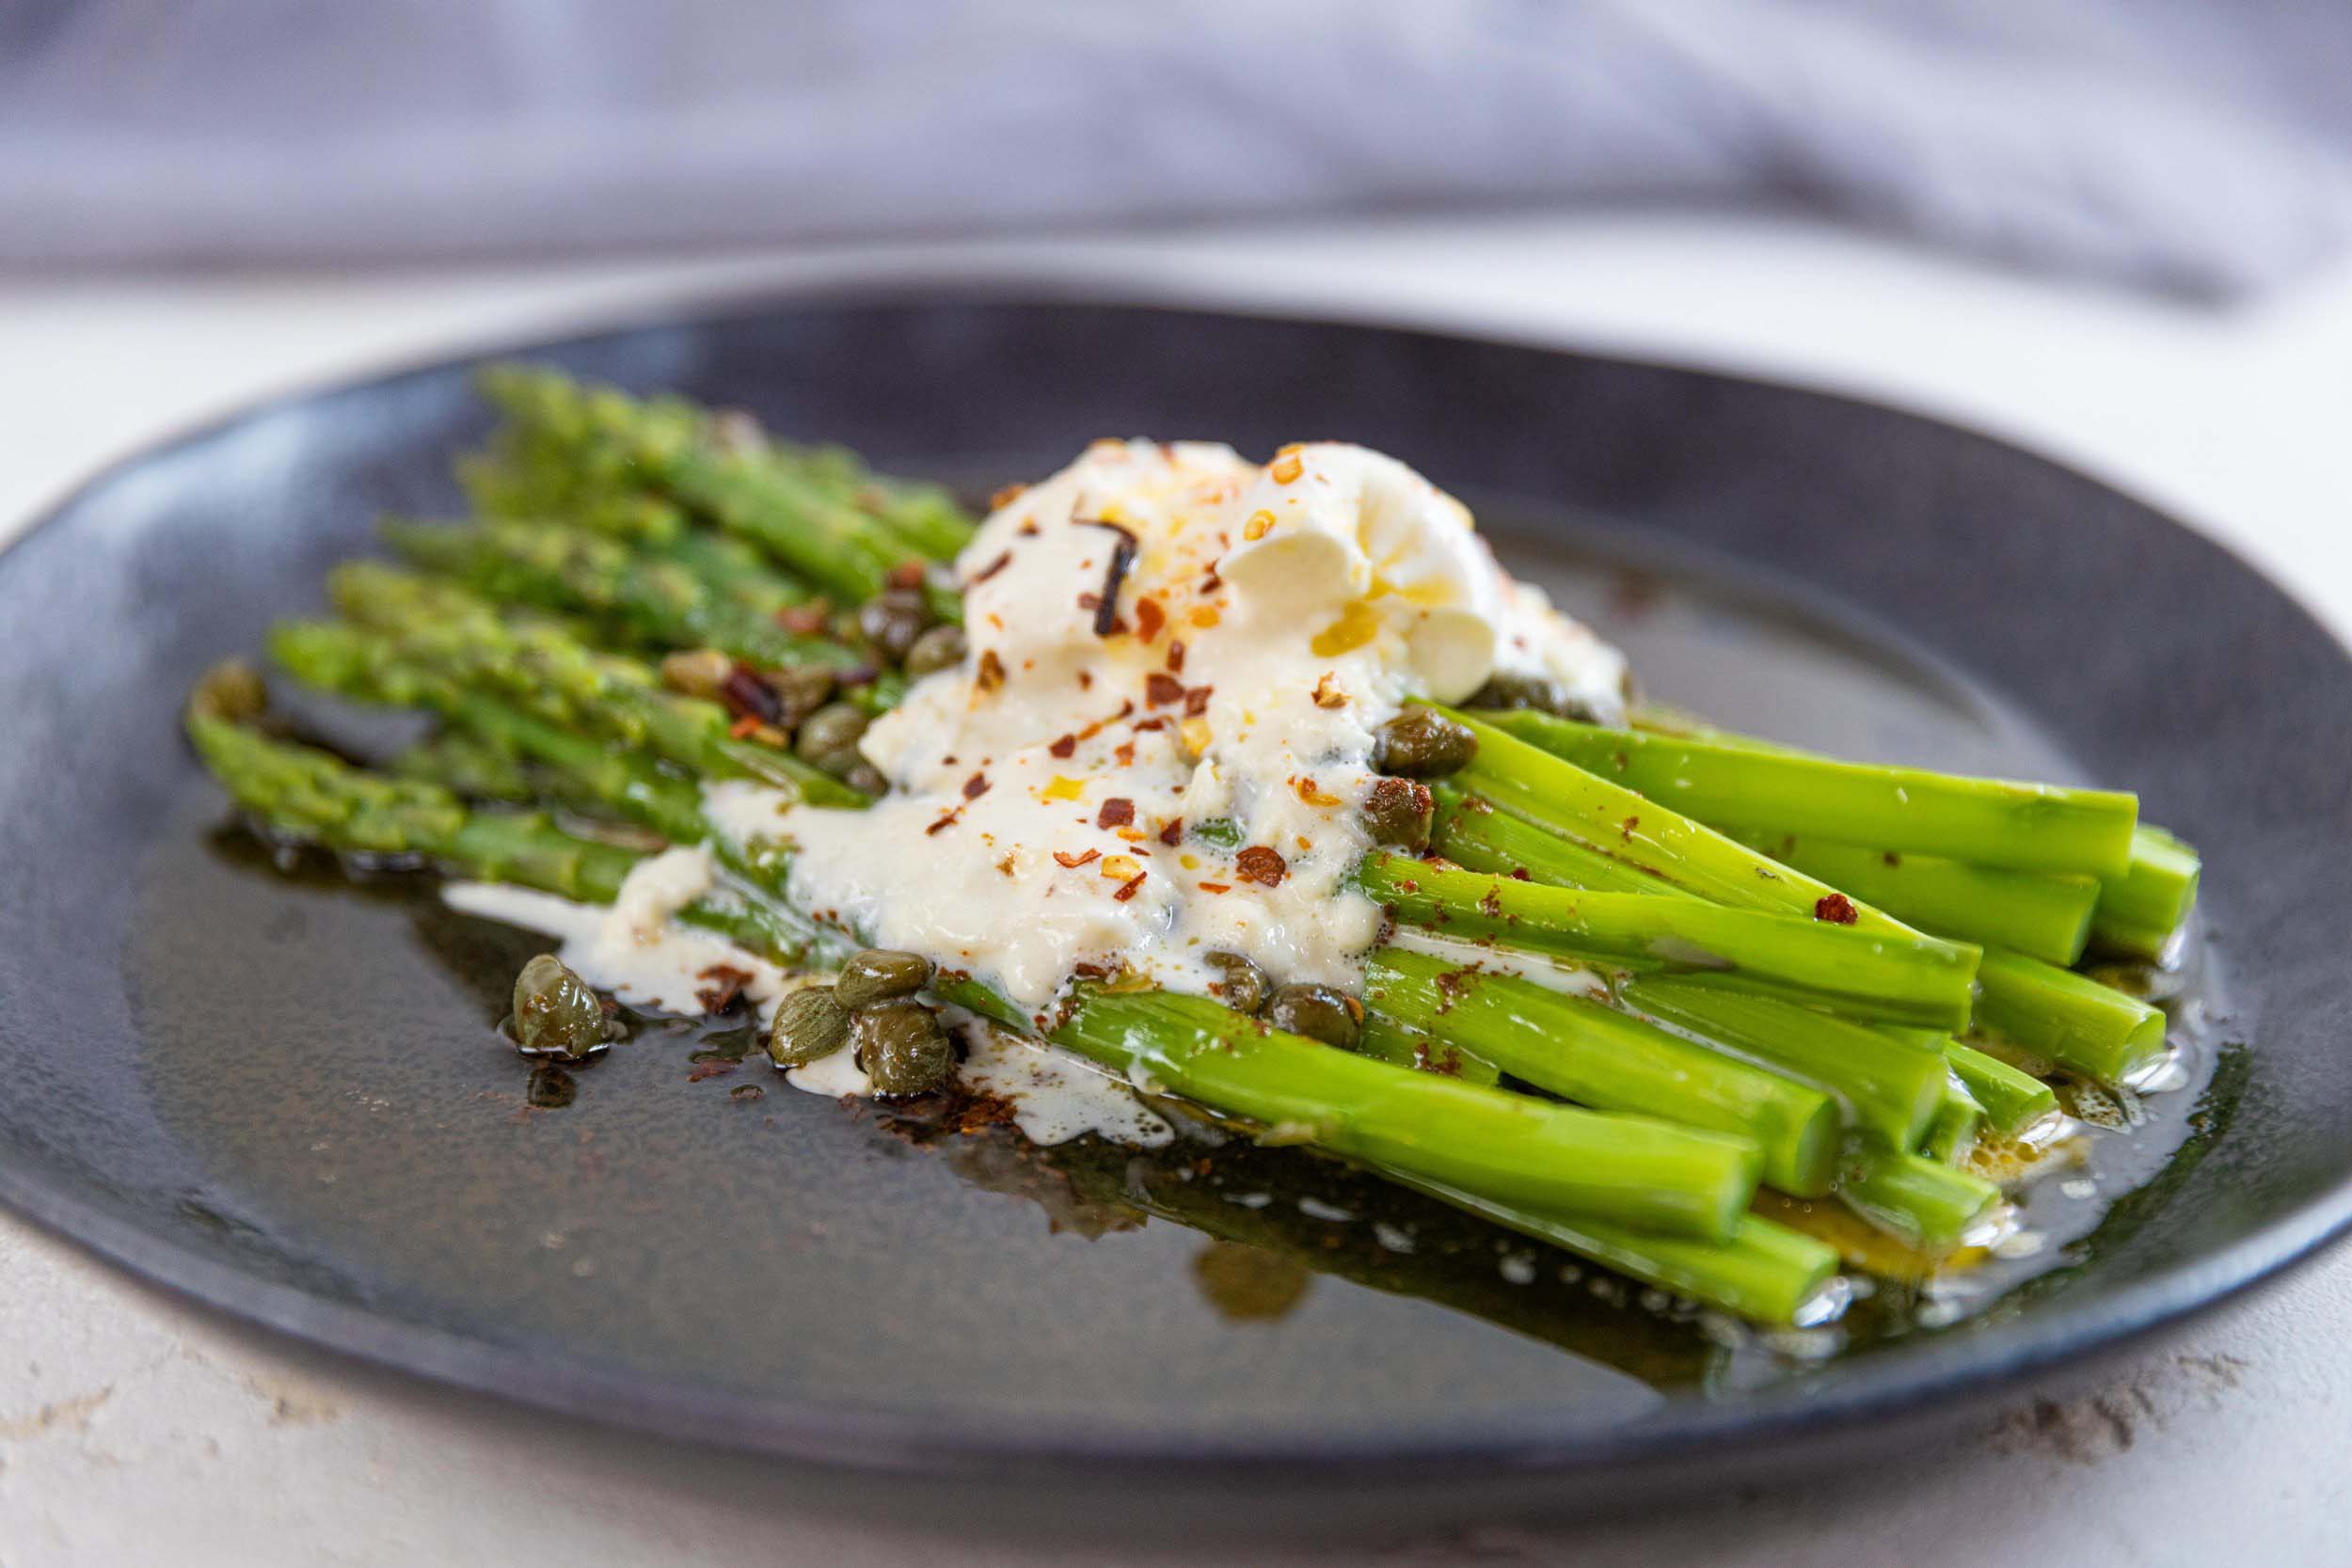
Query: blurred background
point(2118, 232)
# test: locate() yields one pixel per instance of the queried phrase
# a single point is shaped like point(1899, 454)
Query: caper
point(1246, 985)
point(1319, 1012)
point(801, 690)
point(231, 690)
point(1422, 743)
point(811, 1023)
point(902, 1048)
point(862, 775)
point(880, 975)
point(555, 1012)
point(1399, 814)
point(940, 648)
point(1507, 690)
point(697, 672)
point(891, 620)
point(832, 728)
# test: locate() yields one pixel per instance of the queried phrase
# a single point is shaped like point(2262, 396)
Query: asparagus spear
point(1927, 1203)
point(2042, 916)
point(1589, 1052)
point(798, 522)
point(1953, 1132)
point(662, 599)
point(554, 675)
point(2141, 912)
point(1889, 1080)
point(2024, 827)
point(1867, 974)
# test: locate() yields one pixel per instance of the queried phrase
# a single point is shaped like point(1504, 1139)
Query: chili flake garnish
point(808, 620)
point(1123, 557)
point(1173, 833)
point(1069, 862)
point(991, 673)
point(1116, 812)
point(1006, 497)
point(1150, 617)
point(976, 787)
point(1262, 866)
point(992, 569)
point(1126, 890)
point(1625, 828)
point(906, 574)
point(1160, 691)
point(1216, 887)
point(945, 823)
point(744, 692)
point(1836, 909)
point(1063, 745)
point(1328, 695)
point(1197, 700)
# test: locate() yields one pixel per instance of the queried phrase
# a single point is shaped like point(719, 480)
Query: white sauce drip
point(1555, 975)
point(1032, 785)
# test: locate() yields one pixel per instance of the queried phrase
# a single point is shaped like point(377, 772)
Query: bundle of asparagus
point(1819, 976)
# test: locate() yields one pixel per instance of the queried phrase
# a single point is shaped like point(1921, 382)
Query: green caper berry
point(1505, 690)
point(880, 975)
point(231, 690)
point(1422, 743)
point(864, 775)
point(697, 672)
point(801, 690)
point(1246, 985)
point(902, 1048)
point(811, 1023)
point(891, 620)
point(1399, 813)
point(832, 728)
point(1318, 1013)
point(940, 648)
point(555, 1012)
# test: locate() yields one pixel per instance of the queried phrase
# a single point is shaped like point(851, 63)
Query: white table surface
point(134, 1429)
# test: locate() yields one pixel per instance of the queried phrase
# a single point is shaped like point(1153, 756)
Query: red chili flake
point(744, 692)
point(742, 727)
point(1154, 723)
point(1409, 885)
point(808, 620)
point(1519, 873)
point(726, 982)
point(1328, 695)
point(1106, 622)
point(1160, 691)
point(1262, 866)
point(716, 1067)
point(1625, 828)
point(976, 787)
point(906, 574)
point(1006, 497)
point(1086, 680)
point(945, 823)
point(1491, 905)
point(1836, 909)
point(992, 569)
point(1217, 887)
point(1117, 812)
point(1173, 833)
point(1069, 862)
point(1197, 700)
point(1004, 866)
point(1150, 617)
point(1091, 971)
point(1027, 529)
point(1089, 601)
point(1064, 745)
point(991, 673)
point(1891, 858)
point(1124, 754)
point(1176, 656)
point(1126, 890)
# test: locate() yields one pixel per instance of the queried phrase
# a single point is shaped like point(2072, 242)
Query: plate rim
point(1943, 1372)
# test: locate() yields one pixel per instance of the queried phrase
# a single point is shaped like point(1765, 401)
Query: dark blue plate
point(283, 1097)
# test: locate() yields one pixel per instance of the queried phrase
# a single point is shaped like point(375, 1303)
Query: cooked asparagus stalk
point(1994, 822)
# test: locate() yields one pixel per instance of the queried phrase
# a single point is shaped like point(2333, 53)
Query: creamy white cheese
point(1049, 796)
